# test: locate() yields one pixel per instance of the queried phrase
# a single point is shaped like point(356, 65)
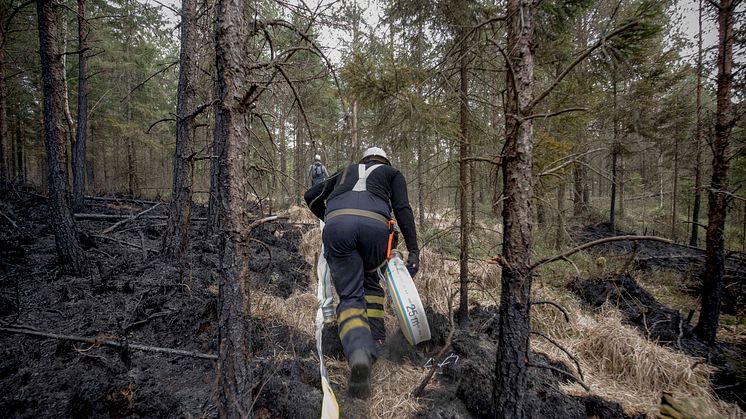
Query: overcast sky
point(685, 12)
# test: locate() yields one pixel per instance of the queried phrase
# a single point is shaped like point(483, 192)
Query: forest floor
point(133, 296)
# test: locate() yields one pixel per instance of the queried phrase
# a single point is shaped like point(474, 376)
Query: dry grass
point(300, 214)
point(618, 363)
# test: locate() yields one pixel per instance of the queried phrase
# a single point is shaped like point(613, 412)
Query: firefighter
point(317, 172)
point(357, 203)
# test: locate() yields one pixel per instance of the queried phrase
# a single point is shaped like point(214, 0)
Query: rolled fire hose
point(329, 405)
point(406, 301)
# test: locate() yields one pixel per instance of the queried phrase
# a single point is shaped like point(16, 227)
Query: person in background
point(317, 173)
point(357, 203)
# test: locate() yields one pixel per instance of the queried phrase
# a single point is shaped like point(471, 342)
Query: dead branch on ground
point(571, 356)
point(111, 343)
point(132, 218)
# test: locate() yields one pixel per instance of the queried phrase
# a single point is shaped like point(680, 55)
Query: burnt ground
point(139, 299)
point(660, 323)
point(651, 256)
point(468, 378)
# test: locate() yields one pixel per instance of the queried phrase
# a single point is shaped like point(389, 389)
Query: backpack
point(317, 175)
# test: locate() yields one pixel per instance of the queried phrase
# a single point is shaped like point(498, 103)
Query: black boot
point(360, 366)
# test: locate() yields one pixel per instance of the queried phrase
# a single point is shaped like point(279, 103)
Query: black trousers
point(355, 246)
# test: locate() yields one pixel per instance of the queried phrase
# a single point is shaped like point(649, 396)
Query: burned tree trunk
point(717, 196)
point(3, 108)
point(694, 238)
point(511, 365)
point(53, 78)
point(79, 166)
point(176, 238)
point(234, 374)
point(464, 184)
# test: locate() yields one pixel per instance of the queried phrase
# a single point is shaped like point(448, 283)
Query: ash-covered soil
point(133, 296)
point(652, 255)
point(467, 379)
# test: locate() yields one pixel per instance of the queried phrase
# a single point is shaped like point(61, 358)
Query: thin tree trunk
point(560, 239)
point(70, 132)
point(614, 158)
point(464, 182)
point(716, 197)
point(53, 78)
point(511, 365)
point(79, 161)
point(675, 187)
point(577, 191)
point(235, 380)
point(420, 181)
point(354, 131)
point(3, 109)
point(176, 238)
point(620, 182)
point(694, 239)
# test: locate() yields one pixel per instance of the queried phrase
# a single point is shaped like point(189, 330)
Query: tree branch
point(578, 60)
point(132, 218)
point(106, 342)
point(552, 303)
point(565, 373)
point(549, 115)
point(158, 122)
point(596, 243)
point(555, 343)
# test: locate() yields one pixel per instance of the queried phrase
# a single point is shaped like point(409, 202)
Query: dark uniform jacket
point(386, 191)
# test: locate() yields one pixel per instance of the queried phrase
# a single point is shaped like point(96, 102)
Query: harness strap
point(362, 177)
point(358, 212)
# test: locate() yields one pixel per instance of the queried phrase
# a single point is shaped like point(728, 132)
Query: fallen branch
point(596, 243)
point(261, 221)
point(111, 217)
point(551, 303)
point(136, 246)
point(565, 373)
point(13, 223)
point(571, 356)
point(132, 218)
point(113, 344)
point(149, 318)
point(107, 199)
point(142, 245)
point(426, 379)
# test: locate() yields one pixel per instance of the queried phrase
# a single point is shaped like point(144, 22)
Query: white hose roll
point(324, 294)
point(406, 301)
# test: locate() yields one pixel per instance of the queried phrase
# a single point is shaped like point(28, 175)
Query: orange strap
point(391, 239)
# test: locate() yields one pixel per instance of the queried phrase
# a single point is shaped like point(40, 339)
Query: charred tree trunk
point(79, 161)
point(464, 183)
point(694, 238)
point(511, 365)
point(214, 218)
point(717, 196)
point(234, 373)
point(614, 159)
point(176, 238)
point(3, 108)
point(53, 78)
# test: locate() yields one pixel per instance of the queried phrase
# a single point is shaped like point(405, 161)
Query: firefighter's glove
point(413, 263)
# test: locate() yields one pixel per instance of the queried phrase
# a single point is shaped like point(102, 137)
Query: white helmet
point(375, 151)
point(317, 157)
